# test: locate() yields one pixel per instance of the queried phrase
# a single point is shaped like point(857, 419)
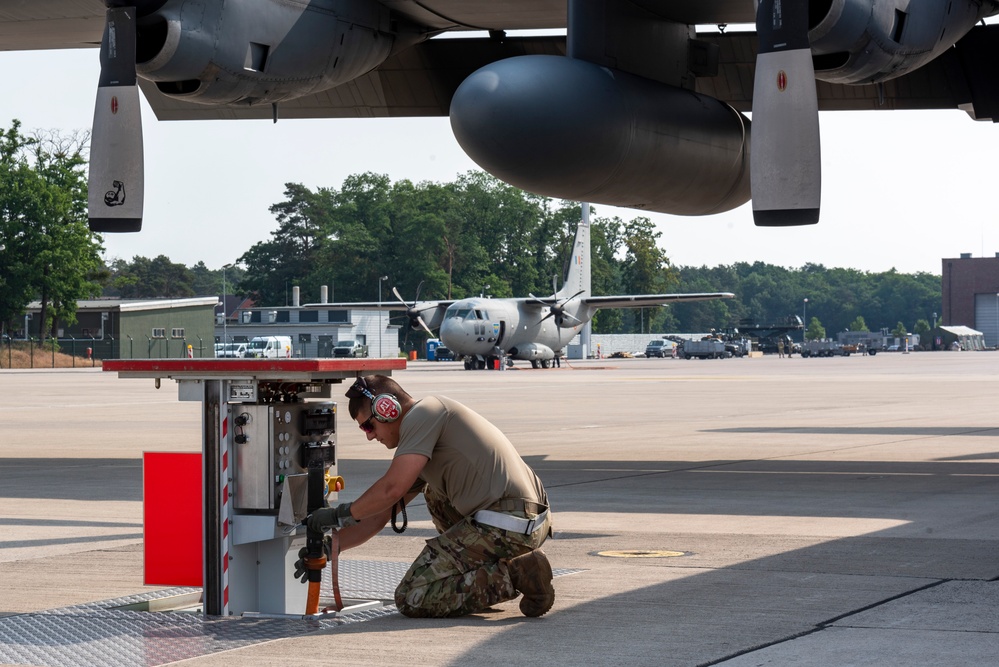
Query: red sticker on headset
point(387, 408)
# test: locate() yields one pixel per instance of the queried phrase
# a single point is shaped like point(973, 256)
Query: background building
point(970, 295)
point(132, 329)
point(314, 329)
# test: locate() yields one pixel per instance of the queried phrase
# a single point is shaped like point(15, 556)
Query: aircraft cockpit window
point(481, 315)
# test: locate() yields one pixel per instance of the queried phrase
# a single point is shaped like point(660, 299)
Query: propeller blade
point(116, 180)
point(423, 324)
point(411, 311)
point(785, 166)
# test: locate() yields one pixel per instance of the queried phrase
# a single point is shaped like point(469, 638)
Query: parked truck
point(722, 347)
point(865, 342)
point(825, 347)
point(846, 346)
point(350, 348)
point(710, 348)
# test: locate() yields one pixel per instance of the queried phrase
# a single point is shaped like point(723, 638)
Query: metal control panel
point(273, 442)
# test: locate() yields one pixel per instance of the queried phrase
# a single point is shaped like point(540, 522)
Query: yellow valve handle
point(334, 483)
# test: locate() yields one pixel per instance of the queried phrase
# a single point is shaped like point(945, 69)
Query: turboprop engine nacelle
point(857, 43)
point(260, 52)
point(532, 351)
point(570, 129)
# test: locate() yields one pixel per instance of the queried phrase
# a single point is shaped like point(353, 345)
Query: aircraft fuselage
point(475, 327)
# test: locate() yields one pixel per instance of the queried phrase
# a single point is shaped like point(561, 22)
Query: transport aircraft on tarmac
point(481, 330)
point(631, 107)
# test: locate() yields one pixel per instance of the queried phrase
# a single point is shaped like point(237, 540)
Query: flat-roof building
point(970, 295)
point(137, 328)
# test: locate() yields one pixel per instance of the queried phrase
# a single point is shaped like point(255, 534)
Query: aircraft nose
point(449, 332)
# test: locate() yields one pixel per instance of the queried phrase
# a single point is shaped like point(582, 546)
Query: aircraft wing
point(358, 305)
point(432, 312)
point(50, 24)
point(639, 91)
point(421, 80)
point(422, 306)
point(643, 300)
point(949, 82)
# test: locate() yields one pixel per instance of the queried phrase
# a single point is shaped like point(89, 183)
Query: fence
point(84, 352)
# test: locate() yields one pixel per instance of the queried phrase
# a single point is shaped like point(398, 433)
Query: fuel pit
point(269, 457)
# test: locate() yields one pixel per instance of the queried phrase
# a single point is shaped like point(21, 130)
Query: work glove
point(331, 517)
point(301, 569)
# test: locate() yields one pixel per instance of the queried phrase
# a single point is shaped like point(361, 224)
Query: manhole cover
point(641, 553)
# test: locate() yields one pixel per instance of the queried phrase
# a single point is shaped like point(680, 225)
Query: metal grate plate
point(102, 633)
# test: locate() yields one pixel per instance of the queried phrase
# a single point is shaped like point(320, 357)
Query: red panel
point(171, 494)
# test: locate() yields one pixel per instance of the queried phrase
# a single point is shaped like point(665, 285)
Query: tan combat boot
point(531, 574)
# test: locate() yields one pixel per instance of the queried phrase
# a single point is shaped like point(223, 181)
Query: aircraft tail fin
point(577, 278)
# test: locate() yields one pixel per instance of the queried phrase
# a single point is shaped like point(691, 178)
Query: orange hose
point(312, 601)
point(312, 604)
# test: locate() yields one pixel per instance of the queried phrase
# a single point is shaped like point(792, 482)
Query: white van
point(230, 350)
point(269, 347)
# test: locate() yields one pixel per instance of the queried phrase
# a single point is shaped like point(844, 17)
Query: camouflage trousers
point(463, 570)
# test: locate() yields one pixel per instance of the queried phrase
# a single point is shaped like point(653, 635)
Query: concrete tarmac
point(735, 512)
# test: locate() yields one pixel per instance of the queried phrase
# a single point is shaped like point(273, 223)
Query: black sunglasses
point(366, 425)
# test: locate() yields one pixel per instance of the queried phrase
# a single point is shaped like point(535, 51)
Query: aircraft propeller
point(412, 312)
point(557, 309)
point(116, 179)
point(785, 165)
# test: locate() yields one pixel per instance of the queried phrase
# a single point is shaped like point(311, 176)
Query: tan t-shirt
point(471, 461)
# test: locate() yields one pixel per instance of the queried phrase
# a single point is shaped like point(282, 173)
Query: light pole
point(804, 319)
point(380, 281)
point(332, 238)
point(225, 330)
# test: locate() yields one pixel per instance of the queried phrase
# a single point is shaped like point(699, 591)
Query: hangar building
point(970, 294)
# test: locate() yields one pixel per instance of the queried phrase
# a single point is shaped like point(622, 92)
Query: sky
point(901, 189)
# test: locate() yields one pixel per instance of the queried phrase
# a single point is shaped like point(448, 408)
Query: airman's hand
point(301, 569)
point(331, 517)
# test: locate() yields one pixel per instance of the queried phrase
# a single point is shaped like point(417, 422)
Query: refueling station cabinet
point(269, 426)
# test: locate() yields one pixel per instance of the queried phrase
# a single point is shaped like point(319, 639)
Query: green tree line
point(473, 236)
point(430, 240)
point(453, 240)
point(47, 252)
point(838, 299)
